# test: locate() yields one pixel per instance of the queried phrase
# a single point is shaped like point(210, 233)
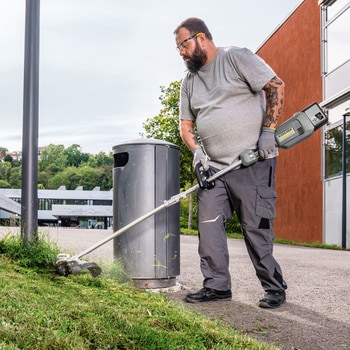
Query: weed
point(39, 254)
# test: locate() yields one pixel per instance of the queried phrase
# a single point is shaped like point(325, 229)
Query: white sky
point(102, 62)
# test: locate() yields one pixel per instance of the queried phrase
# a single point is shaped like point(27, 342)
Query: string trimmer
point(293, 131)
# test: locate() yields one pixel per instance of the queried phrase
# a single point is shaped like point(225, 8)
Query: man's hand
point(266, 144)
point(199, 156)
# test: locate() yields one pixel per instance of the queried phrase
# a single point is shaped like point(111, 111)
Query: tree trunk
point(190, 212)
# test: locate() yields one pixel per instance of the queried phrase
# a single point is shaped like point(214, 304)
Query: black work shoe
point(208, 294)
point(272, 300)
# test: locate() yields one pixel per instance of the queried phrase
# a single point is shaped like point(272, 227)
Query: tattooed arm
point(188, 134)
point(274, 92)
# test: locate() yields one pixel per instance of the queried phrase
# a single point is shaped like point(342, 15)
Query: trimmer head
point(66, 265)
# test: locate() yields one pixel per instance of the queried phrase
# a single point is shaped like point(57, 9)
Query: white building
point(68, 208)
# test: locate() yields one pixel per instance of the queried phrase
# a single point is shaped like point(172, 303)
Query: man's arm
point(188, 134)
point(274, 92)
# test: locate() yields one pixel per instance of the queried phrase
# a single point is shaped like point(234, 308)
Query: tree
point(53, 159)
point(75, 156)
point(4, 169)
point(16, 176)
point(10, 173)
point(165, 126)
point(4, 184)
point(60, 166)
point(3, 152)
point(102, 159)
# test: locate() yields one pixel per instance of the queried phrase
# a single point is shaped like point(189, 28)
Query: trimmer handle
point(246, 158)
point(249, 157)
point(202, 177)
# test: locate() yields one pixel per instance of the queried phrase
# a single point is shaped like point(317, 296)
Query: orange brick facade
point(294, 52)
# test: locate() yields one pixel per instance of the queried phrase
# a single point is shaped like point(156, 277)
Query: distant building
point(67, 208)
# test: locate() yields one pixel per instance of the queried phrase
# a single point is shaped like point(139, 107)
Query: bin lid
point(146, 142)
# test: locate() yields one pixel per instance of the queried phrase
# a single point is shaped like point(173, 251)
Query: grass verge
point(41, 310)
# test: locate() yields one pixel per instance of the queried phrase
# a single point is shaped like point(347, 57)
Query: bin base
point(154, 283)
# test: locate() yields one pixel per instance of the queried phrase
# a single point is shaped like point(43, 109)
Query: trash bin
point(146, 172)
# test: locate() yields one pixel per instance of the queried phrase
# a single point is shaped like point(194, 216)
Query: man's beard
point(197, 60)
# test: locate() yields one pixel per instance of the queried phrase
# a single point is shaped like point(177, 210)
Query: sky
point(103, 62)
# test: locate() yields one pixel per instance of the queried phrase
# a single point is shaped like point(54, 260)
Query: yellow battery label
point(286, 133)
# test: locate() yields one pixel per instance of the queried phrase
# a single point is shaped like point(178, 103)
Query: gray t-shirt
point(226, 101)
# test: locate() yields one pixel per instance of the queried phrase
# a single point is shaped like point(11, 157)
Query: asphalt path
point(316, 315)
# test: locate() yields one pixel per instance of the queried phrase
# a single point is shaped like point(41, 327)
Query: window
point(335, 46)
point(333, 137)
point(336, 7)
point(338, 34)
point(334, 150)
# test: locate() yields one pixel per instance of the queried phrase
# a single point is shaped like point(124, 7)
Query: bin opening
point(121, 159)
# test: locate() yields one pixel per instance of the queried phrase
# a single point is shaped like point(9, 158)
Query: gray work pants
point(251, 193)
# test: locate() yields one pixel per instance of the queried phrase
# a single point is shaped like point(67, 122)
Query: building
point(310, 51)
point(67, 208)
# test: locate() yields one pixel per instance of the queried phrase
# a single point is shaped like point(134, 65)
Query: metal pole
point(29, 201)
point(344, 224)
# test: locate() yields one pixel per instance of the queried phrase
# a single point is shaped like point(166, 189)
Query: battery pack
point(300, 127)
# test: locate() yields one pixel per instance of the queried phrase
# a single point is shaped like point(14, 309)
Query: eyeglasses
point(183, 45)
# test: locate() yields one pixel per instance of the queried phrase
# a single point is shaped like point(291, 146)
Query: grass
point(41, 310)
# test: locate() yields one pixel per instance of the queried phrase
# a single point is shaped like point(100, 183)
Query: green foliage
point(114, 271)
point(102, 159)
point(46, 311)
point(59, 166)
point(10, 174)
point(165, 126)
point(5, 168)
point(3, 153)
point(4, 184)
point(72, 168)
point(39, 254)
point(74, 155)
point(85, 176)
point(15, 175)
point(233, 225)
point(53, 159)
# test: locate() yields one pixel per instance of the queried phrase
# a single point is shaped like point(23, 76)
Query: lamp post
point(29, 196)
point(344, 224)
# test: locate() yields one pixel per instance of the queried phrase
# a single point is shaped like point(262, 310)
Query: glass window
point(336, 7)
point(338, 34)
point(334, 150)
point(44, 204)
point(335, 112)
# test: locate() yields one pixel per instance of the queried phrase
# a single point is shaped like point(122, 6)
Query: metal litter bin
point(146, 172)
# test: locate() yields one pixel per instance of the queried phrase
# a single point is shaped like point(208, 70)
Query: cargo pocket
point(265, 203)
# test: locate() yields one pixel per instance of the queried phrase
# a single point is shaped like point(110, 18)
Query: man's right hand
point(199, 156)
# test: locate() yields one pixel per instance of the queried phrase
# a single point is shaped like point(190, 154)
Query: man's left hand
point(266, 144)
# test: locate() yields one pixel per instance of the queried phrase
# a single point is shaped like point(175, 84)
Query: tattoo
point(192, 131)
point(274, 92)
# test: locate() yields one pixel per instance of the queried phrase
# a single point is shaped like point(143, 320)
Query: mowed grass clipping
point(41, 310)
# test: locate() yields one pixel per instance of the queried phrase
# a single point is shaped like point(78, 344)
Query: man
point(231, 100)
